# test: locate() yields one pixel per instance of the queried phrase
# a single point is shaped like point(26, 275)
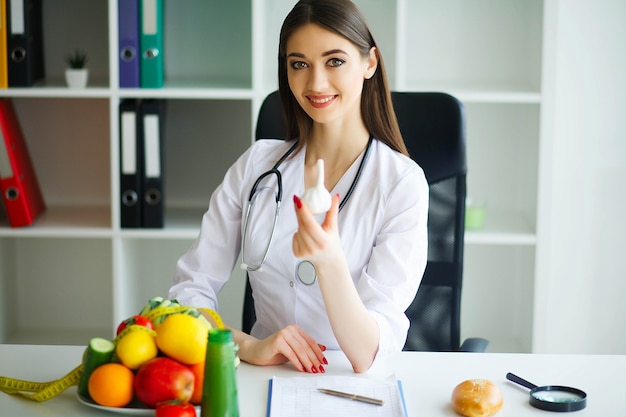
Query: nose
point(318, 79)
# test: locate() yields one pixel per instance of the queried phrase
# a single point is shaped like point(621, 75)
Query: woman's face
point(326, 73)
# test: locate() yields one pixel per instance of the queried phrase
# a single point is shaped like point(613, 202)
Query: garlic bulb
point(317, 198)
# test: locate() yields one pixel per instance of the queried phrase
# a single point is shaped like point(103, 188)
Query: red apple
point(175, 409)
point(163, 379)
point(198, 373)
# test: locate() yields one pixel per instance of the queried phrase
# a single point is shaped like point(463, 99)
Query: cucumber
point(98, 352)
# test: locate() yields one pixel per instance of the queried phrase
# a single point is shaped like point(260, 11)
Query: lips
point(321, 101)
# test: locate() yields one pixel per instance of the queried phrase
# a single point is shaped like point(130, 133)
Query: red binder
point(18, 183)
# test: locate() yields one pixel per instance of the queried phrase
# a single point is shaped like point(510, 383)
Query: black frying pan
point(552, 397)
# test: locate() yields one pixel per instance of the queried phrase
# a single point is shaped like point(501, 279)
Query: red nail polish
point(322, 369)
point(325, 361)
point(314, 370)
point(297, 200)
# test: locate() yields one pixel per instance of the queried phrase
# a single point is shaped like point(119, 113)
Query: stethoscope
point(305, 270)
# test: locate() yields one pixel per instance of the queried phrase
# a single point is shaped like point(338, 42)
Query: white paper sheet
point(299, 397)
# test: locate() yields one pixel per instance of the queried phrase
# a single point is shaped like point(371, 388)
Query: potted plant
point(76, 75)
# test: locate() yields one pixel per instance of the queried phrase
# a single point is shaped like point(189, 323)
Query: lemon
point(136, 346)
point(183, 337)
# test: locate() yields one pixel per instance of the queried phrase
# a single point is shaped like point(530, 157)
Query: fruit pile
point(156, 357)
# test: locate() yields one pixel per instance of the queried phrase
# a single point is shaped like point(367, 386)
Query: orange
point(111, 385)
point(198, 382)
point(183, 337)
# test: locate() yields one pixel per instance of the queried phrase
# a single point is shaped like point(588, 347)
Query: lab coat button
point(291, 284)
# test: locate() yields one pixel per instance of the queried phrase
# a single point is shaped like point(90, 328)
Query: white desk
point(428, 380)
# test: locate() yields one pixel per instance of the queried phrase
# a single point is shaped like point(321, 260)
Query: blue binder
point(151, 42)
point(128, 19)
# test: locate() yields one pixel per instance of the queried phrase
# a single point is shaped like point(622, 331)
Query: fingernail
point(325, 361)
point(314, 370)
point(323, 348)
point(322, 369)
point(297, 201)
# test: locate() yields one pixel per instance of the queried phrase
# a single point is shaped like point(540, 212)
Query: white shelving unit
point(75, 273)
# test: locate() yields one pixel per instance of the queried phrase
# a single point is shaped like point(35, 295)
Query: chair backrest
point(433, 127)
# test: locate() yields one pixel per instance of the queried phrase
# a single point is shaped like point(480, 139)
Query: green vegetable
point(152, 303)
point(98, 352)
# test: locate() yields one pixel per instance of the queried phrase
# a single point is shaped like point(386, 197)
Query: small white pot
point(76, 78)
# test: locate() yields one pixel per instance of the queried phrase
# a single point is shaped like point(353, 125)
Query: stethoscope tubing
point(279, 197)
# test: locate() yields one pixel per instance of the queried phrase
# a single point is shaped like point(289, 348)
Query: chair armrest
point(474, 344)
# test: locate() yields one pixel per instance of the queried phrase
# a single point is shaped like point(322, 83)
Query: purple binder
point(128, 17)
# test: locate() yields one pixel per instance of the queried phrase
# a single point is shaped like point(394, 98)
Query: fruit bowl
point(135, 408)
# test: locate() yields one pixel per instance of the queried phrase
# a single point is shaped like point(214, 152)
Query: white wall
point(580, 304)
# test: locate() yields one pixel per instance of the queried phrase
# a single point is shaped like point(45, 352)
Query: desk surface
point(428, 380)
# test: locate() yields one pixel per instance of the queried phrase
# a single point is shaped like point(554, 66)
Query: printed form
point(300, 397)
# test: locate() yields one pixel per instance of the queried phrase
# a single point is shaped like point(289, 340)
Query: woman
point(367, 254)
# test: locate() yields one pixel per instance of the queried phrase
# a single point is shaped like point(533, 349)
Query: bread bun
point(476, 398)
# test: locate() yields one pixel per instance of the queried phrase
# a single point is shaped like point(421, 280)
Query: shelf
point(180, 223)
point(187, 91)
point(502, 229)
point(57, 221)
point(473, 43)
point(483, 93)
point(57, 90)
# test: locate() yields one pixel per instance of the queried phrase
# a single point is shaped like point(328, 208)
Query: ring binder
point(130, 163)
point(24, 42)
point(151, 42)
point(152, 185)
point(20, 189)
point(4, 74)
point(128, 30)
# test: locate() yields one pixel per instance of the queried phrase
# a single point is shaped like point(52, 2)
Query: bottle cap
point(220, 336)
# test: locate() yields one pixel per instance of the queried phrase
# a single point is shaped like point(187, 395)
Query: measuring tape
point(159, 312)
point(40, 391)
point(43, 391)
point(214, 315)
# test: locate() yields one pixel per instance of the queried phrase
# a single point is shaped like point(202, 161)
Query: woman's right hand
point(290, 344)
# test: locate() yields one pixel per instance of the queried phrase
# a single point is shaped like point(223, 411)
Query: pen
point(351, 396)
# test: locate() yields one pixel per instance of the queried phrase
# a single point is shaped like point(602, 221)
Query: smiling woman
point(338, 110)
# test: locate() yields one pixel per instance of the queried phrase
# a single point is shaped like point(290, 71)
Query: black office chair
point(433, 128)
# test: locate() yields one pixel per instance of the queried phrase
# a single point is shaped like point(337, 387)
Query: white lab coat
point(382, 228)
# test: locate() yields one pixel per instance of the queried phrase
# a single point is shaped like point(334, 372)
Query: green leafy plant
point(77, 59)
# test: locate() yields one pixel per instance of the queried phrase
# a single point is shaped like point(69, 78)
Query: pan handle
point(520, 381)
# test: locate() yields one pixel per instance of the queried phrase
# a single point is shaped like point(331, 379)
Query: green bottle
point(219, 396)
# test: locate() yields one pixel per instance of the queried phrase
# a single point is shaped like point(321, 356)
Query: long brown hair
point(343, 18)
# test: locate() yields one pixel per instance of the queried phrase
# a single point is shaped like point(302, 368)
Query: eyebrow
point(331, 52)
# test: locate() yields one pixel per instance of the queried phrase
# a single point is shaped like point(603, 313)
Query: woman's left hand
point(318, 243)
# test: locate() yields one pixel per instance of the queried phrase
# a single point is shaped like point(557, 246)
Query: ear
point(372, 63)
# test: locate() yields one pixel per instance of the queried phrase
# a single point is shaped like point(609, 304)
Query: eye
point(336, 62)
point(298, 65)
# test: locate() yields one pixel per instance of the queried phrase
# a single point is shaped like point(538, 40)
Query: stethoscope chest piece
point(306, 273)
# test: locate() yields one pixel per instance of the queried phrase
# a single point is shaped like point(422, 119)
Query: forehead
point(313, 40)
